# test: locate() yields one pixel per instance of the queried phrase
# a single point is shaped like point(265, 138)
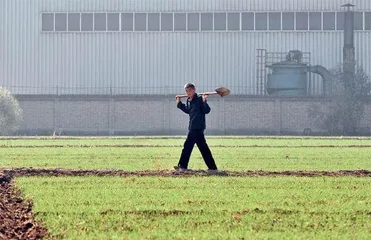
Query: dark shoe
point(180, 169)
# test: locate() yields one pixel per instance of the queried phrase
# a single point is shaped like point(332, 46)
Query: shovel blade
point(222, 91)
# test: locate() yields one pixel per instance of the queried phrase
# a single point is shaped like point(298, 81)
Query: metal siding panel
point(200, 5)
point(147, 63)
point(363, 50)
point(19, 44)
point(3, 43)
point(4, 74)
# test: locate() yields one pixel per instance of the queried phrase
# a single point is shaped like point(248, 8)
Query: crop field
point(125, 188)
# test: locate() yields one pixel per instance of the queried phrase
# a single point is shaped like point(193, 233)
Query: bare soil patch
point(17, 221)
point(17, 172)
point(176, 146)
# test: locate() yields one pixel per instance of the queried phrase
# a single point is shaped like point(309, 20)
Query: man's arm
point(181, 105)
point(204, 106)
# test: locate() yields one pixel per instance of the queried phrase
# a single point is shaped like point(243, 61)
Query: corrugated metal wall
point(32, 62)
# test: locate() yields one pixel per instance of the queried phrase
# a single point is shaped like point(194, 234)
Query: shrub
point(10, 112)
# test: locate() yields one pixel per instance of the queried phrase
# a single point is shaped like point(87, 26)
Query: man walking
point(197, 107)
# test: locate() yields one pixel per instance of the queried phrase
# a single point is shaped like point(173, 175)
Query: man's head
point(190, 89)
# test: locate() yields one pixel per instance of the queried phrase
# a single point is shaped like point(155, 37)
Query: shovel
point(221, 91)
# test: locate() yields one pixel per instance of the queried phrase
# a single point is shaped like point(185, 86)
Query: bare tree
point(10, 112)
point(346, 110)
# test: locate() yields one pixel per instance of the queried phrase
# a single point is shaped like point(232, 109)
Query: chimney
point(348, 49)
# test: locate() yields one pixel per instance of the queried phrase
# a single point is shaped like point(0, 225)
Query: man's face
point(190, 92)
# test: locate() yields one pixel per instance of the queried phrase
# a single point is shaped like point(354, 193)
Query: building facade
point(113, 66)
point(147, 47)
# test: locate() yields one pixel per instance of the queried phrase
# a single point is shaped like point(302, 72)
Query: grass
point(197, 207)
point(232, 154)
point(178, 141)
point(202, 207)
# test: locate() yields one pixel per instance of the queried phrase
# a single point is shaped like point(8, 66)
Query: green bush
point(10, 112)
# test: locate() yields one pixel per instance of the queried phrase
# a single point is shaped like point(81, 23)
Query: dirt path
point(181, 137)
point(16, 218)
point(177, 146)
point(171, 173)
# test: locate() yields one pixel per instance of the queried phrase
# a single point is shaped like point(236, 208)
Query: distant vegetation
point(10, 112)
point(346, 110)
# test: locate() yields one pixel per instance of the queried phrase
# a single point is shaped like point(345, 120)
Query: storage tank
point(288, 78)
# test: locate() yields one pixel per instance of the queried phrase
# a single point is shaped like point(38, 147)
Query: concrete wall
point(159, 115)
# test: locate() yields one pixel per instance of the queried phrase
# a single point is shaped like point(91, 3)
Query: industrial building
point(71, 57)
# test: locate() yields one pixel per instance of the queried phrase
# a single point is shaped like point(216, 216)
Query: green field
point(202, 208)
point(208, 207)
point(236, 154)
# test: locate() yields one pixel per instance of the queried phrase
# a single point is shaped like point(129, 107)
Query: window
point(261, 21)
point(315, 21)
point(340, 20)
point(113, 21)
point(206, 21)
point(328, 21)
point(220, 21)
point(61, 22)
point(74, 22)
point(86, 22)
point(274, 21)
point(153, 22)
point(99, 21)
point(140, 22)
point(247, 20)
point(166, 22)
point(367, 20)
point(288, 21)
point(47, 22)
point(301, 21)
point(127, 22)
point(180, 22)
point(193, 22)
point(233, 21)
point(358, 20)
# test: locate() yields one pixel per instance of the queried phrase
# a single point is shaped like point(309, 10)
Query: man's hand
point(177, 98)
point(204, 98)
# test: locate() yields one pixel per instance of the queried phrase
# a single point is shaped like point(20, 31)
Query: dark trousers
point(196, 137)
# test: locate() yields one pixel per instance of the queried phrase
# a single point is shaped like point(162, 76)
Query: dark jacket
point(196, 110)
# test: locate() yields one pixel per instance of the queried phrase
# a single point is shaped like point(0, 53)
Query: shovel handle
point(205, 93)
point(209, 93)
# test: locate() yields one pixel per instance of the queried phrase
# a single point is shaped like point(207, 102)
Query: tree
point(10, 112)
point(349, 93)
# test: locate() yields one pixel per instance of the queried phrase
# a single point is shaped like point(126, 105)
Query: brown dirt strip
point(182, 137)
point(16, 218)
point(173, 146)
point(18, 172)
